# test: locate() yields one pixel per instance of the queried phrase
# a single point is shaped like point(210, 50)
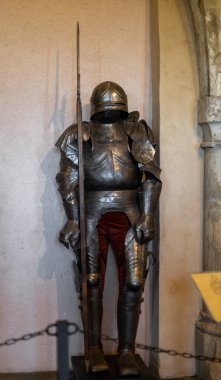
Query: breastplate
point(108, 161)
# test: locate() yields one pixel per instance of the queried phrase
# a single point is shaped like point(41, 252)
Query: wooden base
point(80, 373)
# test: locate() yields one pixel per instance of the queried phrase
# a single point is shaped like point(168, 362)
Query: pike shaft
point(82, 203)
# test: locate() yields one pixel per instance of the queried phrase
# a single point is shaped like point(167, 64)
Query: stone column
point(206, 22)
point(208, 332)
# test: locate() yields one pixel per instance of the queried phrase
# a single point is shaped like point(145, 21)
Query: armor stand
point(80, 372)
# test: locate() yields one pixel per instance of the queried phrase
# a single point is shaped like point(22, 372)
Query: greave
point(97, 362)
point(94, 317)
point(128, 317)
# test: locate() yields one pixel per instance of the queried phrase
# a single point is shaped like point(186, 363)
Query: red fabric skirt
point(112, 229)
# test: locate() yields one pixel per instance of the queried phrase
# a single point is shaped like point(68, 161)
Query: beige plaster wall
point(38, 81)
point(180, 206)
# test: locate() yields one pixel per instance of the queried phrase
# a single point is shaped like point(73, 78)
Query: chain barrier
point(51, 330)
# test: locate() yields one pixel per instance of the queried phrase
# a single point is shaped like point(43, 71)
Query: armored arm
point(143, 150)
point(149, 196)
point(67, 180)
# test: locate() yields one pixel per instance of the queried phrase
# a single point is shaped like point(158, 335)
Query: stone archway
point(205, 16)
point(205, 19)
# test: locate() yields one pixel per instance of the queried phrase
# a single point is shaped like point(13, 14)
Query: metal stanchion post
point(62, 351)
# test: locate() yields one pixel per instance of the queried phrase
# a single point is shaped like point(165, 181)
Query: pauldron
point(143, 143)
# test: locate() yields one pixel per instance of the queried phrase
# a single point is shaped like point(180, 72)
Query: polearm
point(81, 203)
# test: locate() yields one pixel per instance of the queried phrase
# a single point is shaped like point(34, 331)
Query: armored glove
point(144, 228)
point(70, 232)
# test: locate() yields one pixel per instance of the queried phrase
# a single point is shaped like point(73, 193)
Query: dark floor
point(31, 376)
point(52, 376)
point(35, 376)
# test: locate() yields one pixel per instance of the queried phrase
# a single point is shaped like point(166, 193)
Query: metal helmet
point(108, 96)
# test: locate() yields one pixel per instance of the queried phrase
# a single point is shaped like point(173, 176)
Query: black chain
point(51, 330)
point(46, 331)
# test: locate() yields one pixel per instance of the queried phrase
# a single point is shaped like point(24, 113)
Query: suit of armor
point(120, 177)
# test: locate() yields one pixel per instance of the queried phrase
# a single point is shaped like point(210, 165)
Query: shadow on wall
point(56, 260)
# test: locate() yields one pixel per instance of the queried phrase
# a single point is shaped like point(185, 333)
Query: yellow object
point(209, 285)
